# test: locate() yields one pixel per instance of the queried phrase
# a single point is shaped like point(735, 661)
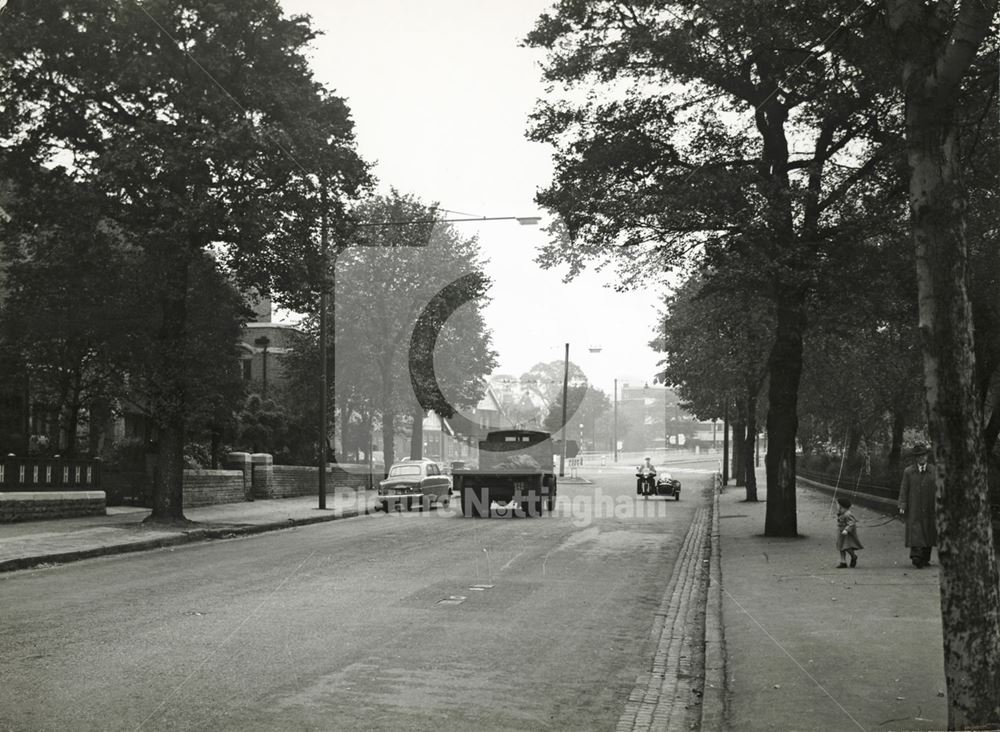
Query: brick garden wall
point(35, 505)
point(201, 488)
point(209, 487)
point(298, 480)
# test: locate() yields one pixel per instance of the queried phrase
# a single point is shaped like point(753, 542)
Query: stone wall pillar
point(263, 475)
point(241, 461)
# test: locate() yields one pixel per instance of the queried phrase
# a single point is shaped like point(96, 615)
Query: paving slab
point(813, 647)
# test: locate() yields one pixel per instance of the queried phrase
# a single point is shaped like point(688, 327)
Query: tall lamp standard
point(615, 446)
point(562, 456)
point(666, 438)
point(666, 431)
point(328, 288)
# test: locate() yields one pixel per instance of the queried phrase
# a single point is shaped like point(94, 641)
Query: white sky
point(440, 92)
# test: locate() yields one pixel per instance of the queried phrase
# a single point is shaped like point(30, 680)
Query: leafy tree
point(215, 386)
point(862, 383)
point(263, 425)
point(716, 350)
point(202, 123)
point(547, 378)
point(69, 310)
point(936, 45)
point(382, 345)
point(523, 404)
point(301, 364)
point(690, 150)
point(584, 405)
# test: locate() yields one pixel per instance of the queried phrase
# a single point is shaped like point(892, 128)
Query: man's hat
point(919, 449)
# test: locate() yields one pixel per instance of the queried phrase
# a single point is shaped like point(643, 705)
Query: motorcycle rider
point(646, 473)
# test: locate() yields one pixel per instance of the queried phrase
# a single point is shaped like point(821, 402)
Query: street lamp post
point(323, 421)
point(725, 443)
point(666, 438)
point(615, 437)
point(562, 457)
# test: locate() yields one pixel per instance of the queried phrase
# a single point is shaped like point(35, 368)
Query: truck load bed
point(515, 466)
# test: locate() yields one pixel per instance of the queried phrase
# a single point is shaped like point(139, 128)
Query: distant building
point(660, 420)
point(444, 441)
point(262, 343)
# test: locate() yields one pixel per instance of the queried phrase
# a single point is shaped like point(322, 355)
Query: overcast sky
point(440, 92)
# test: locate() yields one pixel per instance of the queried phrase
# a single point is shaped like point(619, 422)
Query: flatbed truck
point(516, 468)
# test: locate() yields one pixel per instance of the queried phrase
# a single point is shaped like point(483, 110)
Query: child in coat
point(847, 534)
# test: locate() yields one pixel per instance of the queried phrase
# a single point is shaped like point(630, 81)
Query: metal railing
point(851, 484)
point(48, 474)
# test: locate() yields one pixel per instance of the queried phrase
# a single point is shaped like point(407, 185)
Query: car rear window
point(398, 470)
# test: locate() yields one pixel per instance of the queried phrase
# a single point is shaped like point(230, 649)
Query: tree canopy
point(715, 134)
point(202, 126)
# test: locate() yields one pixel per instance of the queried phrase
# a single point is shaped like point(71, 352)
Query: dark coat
point(916, 499)
point(850, 540)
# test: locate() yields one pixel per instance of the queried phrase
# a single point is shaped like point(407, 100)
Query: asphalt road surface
point(422, 621)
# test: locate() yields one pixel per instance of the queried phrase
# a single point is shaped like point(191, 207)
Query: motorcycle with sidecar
point(649, 483)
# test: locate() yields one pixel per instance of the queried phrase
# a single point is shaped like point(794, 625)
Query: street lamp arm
point(522, 220)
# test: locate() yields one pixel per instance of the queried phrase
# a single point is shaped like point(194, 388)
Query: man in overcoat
point(916, 505)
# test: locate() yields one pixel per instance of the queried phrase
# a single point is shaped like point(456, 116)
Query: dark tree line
point(805, 159)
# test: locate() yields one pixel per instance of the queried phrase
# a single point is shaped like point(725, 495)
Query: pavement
point(809, 646)
point(792, 642)
point(38, 543)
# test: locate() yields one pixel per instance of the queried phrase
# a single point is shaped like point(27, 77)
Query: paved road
point(418, 622)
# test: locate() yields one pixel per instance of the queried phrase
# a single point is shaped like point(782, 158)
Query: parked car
point(417, 482)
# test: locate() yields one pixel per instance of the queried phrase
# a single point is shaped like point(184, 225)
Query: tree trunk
point(216, 446)
point(749, 440)
point(73, 409)
point(417, 434)
point(100, 416)
point(72, 425)
point(369, 443)
point(170, 403)
point(970, 605)
point(785, 362)
point(168, 478)
point(853, 443)
point(388, 440)
point(896, 450)
point(60, 444)
point(992, 429)
point(739, 455)
point(725, 445)
point(345, 429)
point(785, 370)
